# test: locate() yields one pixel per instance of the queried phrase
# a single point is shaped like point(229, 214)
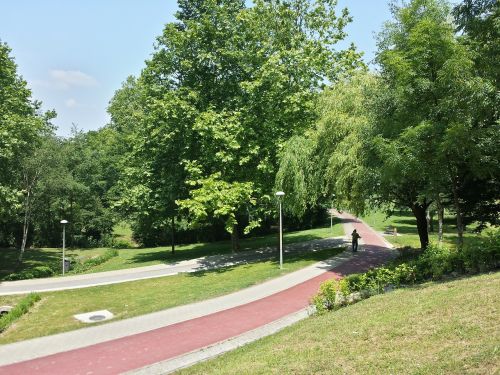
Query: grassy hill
point(436, 328)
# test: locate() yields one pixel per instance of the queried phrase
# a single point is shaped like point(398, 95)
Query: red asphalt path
point(136, 351)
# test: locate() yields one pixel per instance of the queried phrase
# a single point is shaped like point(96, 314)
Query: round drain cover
point(96, 318)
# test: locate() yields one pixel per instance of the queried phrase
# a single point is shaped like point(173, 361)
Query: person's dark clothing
point(355, 236)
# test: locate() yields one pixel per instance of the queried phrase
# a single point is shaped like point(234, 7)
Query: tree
point(225, 88)
point(432, 113)
point(22, 128)
point(417, 132)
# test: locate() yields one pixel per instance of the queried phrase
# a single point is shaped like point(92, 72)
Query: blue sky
point(74, 54)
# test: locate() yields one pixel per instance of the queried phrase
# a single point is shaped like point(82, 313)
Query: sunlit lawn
point(406, 226)
point(436, 328)
point(54, 313)
point(138, 257)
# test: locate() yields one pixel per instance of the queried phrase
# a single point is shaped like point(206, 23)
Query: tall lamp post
point(280, 194)
point(64, 222)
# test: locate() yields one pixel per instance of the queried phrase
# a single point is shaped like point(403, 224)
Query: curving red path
point(146, 348)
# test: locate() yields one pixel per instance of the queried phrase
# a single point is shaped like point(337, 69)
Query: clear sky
point(74, 54)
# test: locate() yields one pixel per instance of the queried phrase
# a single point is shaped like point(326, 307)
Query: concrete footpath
point(171, 339)
point(160, 270)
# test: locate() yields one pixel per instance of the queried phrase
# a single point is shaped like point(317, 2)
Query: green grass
point(54, 313)
point(123, 232)
point(406, 225)
point(139, 257)
point(129, 258)
point(436, 328)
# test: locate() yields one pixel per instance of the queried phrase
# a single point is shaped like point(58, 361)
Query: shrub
point(437, 261)
point(32, 273)
point(404, 274)
point(482, 256)
point(92, 262)
point(434, 263)
point(325, 299)
point(121, 244)
point(19, 310)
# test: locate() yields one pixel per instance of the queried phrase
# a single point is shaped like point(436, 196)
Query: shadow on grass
point(32, 258)
point(218, 248)
point(290, 258)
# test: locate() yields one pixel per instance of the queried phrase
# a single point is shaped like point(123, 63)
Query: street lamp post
point(280, 194)
point(64, 222)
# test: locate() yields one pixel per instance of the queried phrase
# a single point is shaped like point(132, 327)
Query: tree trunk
point(26, 224)
point(419, 213)
point(173, 234)
point(440, 213)
point(458, 209)
point(235, 240)
point(429, 220)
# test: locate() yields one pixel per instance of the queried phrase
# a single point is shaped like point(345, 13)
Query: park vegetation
point(240, 100)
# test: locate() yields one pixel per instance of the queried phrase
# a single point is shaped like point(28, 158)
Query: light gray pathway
point(160, 270)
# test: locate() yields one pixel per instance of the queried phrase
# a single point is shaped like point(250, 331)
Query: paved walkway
point(160, 270)
point(210, 323)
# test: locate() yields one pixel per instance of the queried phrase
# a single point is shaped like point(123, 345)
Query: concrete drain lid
point(94, 316)
point(4, 310)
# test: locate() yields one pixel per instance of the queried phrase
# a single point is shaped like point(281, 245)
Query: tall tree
point(225, 88)
point(22, 127)
point(430, 118)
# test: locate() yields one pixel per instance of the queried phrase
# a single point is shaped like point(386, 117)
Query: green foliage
point(33, 273)
point(435, 263)
point(92, 262)
point(22, 127)
point(122, 244)
point(219, 199)
point(226, 86)
point(329, 159)
point(483, 256)
point(21, 308)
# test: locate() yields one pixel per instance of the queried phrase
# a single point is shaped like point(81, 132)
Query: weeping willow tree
point(331, 158)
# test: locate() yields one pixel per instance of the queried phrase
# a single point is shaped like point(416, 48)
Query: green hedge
point(92, 262)
point(434, 264)
point(19, 310)
point(32, 273)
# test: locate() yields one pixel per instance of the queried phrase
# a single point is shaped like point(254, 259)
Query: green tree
point(22, 128)
point(430, 128)
point(225, 88)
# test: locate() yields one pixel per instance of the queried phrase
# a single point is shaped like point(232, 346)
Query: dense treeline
point(237, 101)
point(422, 133)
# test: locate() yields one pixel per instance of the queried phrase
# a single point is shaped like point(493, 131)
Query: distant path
point(194, 330)
point(160, 270)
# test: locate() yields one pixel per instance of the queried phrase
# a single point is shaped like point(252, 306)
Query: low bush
point(121, 244)
point(19, 310)
point(433, 264)
point(32, 273)
point(92, 262)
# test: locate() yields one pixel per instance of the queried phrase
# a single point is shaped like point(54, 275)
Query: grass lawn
point(54, 313)
point(435, 328)
point(138, 257)
point(406, 225)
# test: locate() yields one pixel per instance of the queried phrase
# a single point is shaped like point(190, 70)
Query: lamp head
point(279, 194)
point(64, 221)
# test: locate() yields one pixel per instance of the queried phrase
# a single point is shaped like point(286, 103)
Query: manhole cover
point(96, 318)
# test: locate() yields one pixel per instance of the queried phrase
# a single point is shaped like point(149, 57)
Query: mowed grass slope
point(406, 226)
point(436, 328)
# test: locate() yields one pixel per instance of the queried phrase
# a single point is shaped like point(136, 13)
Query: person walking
point(355, 236)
